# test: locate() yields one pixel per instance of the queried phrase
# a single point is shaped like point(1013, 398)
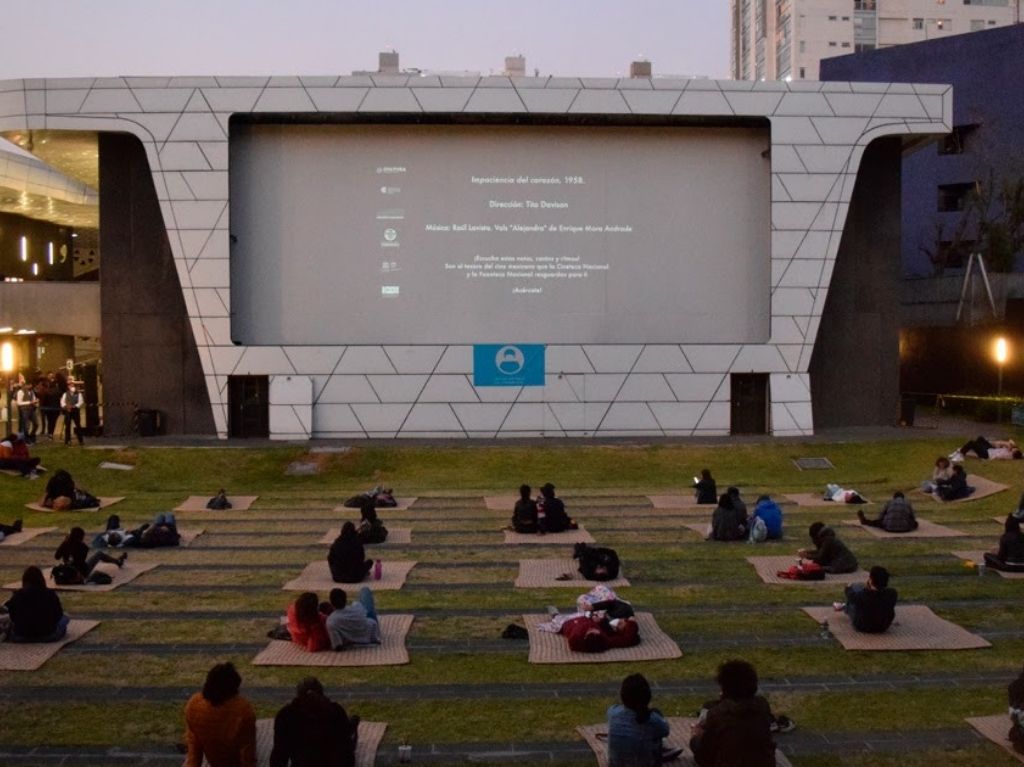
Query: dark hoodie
point(737, 733)
point(313, 731)
point(832, 553)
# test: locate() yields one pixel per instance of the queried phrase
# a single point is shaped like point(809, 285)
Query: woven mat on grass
point(403, 505)
point(925, 529)
point(188, 534)
point(27, 534)
point(120, 575)
point(916, 628)
point(543, 574)
point(370, 736)
point(569, 536)
point(701, 528)
point(983, 488)
point(15, 656)
point(767, 567)
point(198, 503)
point(317, 577)
point(105, 502)
point(680, 729)
point(815, 500)
point(546, 647)
point(395, 535)
point(391, 651)
point(996, 728)
point(978, 557)
point(678, 502)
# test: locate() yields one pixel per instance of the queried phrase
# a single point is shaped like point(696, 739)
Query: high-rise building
point(786, 39)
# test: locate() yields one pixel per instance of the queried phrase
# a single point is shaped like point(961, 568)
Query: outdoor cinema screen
point(463, 234)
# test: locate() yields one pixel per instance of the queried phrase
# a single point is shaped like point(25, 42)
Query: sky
point(79, 38)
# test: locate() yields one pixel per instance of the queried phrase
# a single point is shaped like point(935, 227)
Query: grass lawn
point(127, 681)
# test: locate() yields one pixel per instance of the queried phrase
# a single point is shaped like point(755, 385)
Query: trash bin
point(907, 407)
point(149, 423)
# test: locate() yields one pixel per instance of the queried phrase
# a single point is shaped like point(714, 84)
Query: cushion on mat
point(767, 567)
point(317, 577)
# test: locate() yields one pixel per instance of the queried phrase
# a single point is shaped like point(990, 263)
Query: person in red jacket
point(307, 625)
point(594, 633)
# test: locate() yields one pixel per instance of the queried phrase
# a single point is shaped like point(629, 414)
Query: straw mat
point(317, 577)
point(543, 574)
point(983, 488)
point(979, 557)
point(916, 628)
point(16, 656)
point(815, 500)
point(120, 575)
point(568, 536)
point(27, 534)
point(546, 647)
point(198, 503)
point(104, 503)
point(391, 651)
point(395, 535)
point(925, 529)
point(995, 728)
point(767, 567)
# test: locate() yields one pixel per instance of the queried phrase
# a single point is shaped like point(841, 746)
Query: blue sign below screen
point(508, 365)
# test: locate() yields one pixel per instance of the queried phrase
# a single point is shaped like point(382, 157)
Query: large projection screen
point(463, 234)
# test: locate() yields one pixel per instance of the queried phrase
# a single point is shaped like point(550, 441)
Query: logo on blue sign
point(508, 365)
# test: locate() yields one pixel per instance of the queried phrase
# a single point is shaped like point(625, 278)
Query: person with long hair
point(306, 623)
point(635, 730)
point(74, 551)
point(220, 724)
point(347, 557)
point(35, 611)
point(735, 730)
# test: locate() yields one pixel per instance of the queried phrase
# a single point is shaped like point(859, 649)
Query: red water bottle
point(378, 568)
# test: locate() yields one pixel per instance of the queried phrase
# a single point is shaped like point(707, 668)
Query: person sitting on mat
point(35, 611)
point(371, 529)
point(829, 552)
point(14, 455)
point(73, 551)
point(727, 522)
point(307, 625)
point(955, 487)
point(943, 471)
point(313, 730)
point(1009, 557)
point(897, 516)
point(706, 490)
point(352, 623)
point(524, 515)
point(769, 512)
point(735, 731)
point(996, 450)
point(635, 730)
point(551, 516)
point(872, 605)
point(11, 529)
point(1015, 694)
point(219, 723)
point(347, 557)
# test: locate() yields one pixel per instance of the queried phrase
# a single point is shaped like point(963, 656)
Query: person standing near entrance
point(27, 402)
point(71, 404)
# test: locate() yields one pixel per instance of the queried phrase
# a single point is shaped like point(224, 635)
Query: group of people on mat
point(336, 624)
point(602, 621)
point(730, 520)
point(988, 450)
point(948, 482)
point(734, 730)
point(543, 514)
point(311, 730)
point(15, 456)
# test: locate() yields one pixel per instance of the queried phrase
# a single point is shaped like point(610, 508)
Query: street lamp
point(1002, 353)
point(7, 366)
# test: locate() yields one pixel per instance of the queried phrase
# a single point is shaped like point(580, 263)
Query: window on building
point(956, 141)
point(917, 23)
point(803, 46)
point(863, 5)
point(977, 24)
point(861, 47)
point(846, 18)
point(997, 3)
point(831, 18)
point(844, 45)
point(954, 197)
point(832, 44)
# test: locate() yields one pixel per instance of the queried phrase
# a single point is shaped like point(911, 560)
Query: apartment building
point(787, 39)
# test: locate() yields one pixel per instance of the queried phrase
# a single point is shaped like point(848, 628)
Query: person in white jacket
point(71, 405)
point(27, 403)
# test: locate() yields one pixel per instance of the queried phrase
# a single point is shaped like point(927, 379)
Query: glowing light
point(1002, 351)
point(35, 270)
point(24, 248)
point(49, 253)
point(7, 357)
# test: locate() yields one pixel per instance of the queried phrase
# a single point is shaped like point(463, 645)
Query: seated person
point(872, 605)
point(727, 523)
point(551, 516)
point(736, 729)
point(955, 487)
point(829, 552)
point(371, 529)
point(14, 455)
point(635, 730)
point(354, 623)
point(35, 611)
point(768, 511)
point(1009, 557)
point(314, 730)
point(1015, 693)
point(347, 557)
point(897, 516)
point(737, 502)
point(307, 624)
point(706, 490)
point(219, 723)
point(73, 551)
point(524, 515)
point(11, 529)
point(943, 471)
point(999, 449)
point(62, 494)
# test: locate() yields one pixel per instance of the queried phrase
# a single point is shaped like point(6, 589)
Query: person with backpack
point(597, 563)
point(524, 515)
point(219, 723)
point(347, 557)
point(829, 552)
point(314, 731)
point(767, 514)
point(551, 514)
point(35, 611)
point(635, 730)
point(73, 553)
point(897, 516)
